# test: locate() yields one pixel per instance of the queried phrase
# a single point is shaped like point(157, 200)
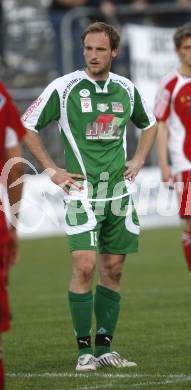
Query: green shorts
point(106, 227)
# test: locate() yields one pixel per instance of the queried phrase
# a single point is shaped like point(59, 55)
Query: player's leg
point(80, 296)
point(119, 237)
point(183, 188)
point(107, 300)
point(2, 380)
point(80, 222)
point(4, 299)
point(4, 310)
point(186, 242)
point(81, 305)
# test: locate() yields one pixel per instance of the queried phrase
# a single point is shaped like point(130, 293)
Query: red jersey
point(173, 105)
point(11, 132)
point(9, 120)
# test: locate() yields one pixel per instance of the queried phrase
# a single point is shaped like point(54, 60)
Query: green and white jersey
point(92, 118)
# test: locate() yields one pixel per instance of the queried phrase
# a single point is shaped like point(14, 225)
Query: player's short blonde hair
point(109, 30)
point(181, 33)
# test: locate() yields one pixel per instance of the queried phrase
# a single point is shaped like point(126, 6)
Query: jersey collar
point(97, 86)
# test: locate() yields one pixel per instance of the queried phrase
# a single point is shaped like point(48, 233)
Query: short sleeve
point(163, 99)
point(142, 116)
point(44, 110)
point(13, 120)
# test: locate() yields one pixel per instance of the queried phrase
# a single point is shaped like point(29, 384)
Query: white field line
point(163, 379)
point(170, 378)
point(79, 375)
point(138, 385)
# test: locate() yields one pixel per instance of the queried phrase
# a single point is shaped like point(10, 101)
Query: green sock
point(106, 307)
point(81, 308)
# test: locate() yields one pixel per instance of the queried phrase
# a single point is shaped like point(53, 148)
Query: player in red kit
point(173, 111)
point(11, 133)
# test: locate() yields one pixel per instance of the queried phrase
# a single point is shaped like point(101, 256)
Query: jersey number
point(93, 238)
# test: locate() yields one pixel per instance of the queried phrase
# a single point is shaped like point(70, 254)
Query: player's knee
point(84, 271)
point(1, 347)
point(116, 275)
point(188, 224)
point(114, 272)
point(87, 272)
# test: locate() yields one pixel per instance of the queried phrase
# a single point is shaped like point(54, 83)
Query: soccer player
point(173, 112)
point(11, 132)
point(92, 107)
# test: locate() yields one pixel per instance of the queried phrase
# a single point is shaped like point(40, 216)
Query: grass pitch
point(154, 327)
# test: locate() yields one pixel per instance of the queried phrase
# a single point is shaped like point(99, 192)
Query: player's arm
point(42, 112)
point(162, 151)
point(15, 173)
point(58, 175)
point(143, 118)
point(145, 143)
point(163, 111)
point(14, 194)
point(15, 133)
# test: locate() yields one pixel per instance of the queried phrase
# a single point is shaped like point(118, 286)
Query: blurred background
point(40, 40)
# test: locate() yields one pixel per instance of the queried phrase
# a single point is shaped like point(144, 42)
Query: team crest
point(84, 93)
point(102, 107)
point(117, 107)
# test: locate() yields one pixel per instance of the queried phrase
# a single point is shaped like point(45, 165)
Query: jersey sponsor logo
point(86, 104)
point(105, 127)
point(67, 90)
point(2, 101)
point(84, 93)
point(102, 107)
point(32, 107)
point(117, 107)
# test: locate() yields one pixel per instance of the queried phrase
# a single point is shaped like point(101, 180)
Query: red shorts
point(4, 304)
point(182, 183)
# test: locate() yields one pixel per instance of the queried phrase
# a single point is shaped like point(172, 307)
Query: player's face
point(184, 52)
point(98, 55)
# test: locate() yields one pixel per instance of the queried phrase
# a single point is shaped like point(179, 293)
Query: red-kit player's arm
point(13, 117)
point(162, 112)
point(15, 133)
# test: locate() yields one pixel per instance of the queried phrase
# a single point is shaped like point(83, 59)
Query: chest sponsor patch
point(102, 107)
point(117, 107)
point(106, 127)
point(86, 104)
point(2, 101)
point(84, 93)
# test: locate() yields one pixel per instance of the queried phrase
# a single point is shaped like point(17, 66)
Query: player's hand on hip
point(132, 168)
point(66, 180)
